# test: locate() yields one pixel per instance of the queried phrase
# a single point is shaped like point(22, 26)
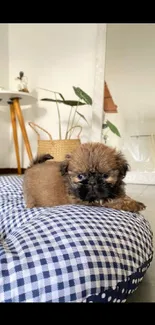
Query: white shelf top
point(24, 98)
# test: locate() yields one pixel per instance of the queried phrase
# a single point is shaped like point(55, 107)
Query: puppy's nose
point(92, 181)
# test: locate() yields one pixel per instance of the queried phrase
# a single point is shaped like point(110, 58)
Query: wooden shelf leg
point(15, 137)
point(19, 115)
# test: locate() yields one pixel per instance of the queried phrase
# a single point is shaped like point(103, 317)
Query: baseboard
point(11, 171)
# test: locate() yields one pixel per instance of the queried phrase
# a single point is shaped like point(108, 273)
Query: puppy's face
point(94, 171)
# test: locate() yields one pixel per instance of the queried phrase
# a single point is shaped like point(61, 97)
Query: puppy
point(43, 184)
point(92, 175)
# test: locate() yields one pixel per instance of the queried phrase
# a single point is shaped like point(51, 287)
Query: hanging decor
point(109, 105)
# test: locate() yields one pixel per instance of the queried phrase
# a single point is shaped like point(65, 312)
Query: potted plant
point(58, 148)
point(74, 114)
point(84, 99)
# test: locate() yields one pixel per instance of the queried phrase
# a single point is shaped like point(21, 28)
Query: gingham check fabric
point(68, 253)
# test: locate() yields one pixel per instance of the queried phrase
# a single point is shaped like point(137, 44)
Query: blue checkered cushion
point(69, 253)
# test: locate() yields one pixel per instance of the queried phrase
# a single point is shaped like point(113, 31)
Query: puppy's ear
point(123, 165)
point(64, 165)
point(124, 169)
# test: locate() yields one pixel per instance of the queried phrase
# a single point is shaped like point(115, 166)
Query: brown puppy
point(43, 184)
point(92, 175)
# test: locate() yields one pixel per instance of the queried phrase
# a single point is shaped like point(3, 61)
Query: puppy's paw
point(30, 206)
point(126, 204)
point(138, 206)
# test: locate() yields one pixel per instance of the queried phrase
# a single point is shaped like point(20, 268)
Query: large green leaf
point(113, 128)
point(66, 102)
point(81, 115)
point(82, 95)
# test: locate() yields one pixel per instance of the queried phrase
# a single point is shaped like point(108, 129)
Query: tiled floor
point(145, 194)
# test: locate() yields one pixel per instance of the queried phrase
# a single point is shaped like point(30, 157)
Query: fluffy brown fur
point(40, 159)
point(92, 175)
point(43, 185)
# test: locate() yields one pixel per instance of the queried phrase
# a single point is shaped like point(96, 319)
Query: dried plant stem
point(73, 127)
point(68, 121)
point(73, 119)
point(76, 124)
point(59, 117)
point(51, 91)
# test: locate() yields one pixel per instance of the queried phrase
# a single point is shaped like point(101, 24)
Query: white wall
point(4, 55)
point(4, 111)
point(57, 57)
point(130, 74)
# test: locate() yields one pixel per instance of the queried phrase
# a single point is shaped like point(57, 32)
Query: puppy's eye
point(105, 176)
point(81, 177)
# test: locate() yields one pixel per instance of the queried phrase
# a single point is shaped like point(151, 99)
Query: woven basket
point(57, 148)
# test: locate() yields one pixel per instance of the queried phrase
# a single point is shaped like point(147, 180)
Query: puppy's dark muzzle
point(92, 193)
point(92, 181)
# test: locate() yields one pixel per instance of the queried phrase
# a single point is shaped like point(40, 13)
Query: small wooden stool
point(15, 99)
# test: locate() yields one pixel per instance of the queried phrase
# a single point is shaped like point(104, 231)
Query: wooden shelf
point(109, 105)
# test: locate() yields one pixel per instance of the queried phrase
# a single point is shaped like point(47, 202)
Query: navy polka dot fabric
point(69, 253)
